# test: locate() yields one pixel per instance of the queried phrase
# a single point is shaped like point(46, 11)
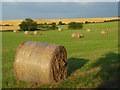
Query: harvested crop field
point(15, 23)
point(92, 60)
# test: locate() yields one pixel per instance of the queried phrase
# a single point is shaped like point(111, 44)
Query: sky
point(58, 10)
point(59, 0)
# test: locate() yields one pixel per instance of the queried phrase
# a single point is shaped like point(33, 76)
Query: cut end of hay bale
point(58, 66)
point(60, 29)
point(36, 33)
point(77, 35)
point(42, 63)
point(104, 32)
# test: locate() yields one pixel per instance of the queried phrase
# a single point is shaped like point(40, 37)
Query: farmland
point(92, 60)
point(15, 23)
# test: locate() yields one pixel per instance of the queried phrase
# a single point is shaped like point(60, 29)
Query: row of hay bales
point(79, 35)
point(102, 32)
point(74, 35)
point(28, 32)
point(35, 32)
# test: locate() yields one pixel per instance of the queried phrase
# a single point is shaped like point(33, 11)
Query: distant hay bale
point(89, 30)
point(73, 35)
point(40, 62)
point(60, 29)
point(15, 31)
point(36, 33)
point(27, 32)
point(104, 32)
point(80, 35)
point(77, 35)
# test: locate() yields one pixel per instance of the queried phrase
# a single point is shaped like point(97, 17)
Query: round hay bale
point(60, 29)
point(27, 32)
point(73, 35)
point(104, 32)
point(89, 30)
point(80, 35)
point(36, 33)
point(77, 35)
point(40, 62)
point(15, 31)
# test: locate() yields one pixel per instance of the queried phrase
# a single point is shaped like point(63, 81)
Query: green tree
point(86, 22)
point(53, 27)
point(7, 25)
point(79, 25)
point(74, 25)
point(28, 25)
point(60, 23)
point(45, 23)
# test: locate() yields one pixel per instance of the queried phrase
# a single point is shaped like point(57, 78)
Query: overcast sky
point(56, 10)
point(59, 0)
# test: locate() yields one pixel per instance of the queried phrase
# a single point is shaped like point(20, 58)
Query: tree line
point(30, 25)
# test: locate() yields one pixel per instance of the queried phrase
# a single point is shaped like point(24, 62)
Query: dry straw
point(89, 30)
point(77, 35)
point(27, 32)
point(60, 29)
point(15, 31)
point(40, 62)
point(104, 32)
point(36, 33)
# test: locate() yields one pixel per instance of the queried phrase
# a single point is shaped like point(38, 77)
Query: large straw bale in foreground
point(27, 32)
point(77, 35)
point(36, 33)
point(40, 62)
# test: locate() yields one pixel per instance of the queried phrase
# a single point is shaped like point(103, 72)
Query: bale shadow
point(74, 64)
point(109, 70)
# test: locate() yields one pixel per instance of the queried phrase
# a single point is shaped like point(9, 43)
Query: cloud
point(84, 3)
point(37, 10)
point(33, 0)
point(60, 0)
point(14, 3)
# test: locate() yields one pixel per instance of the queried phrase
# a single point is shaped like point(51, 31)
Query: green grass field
point(92, 60)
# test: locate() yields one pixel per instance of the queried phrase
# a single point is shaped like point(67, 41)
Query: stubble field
point(92, 60)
